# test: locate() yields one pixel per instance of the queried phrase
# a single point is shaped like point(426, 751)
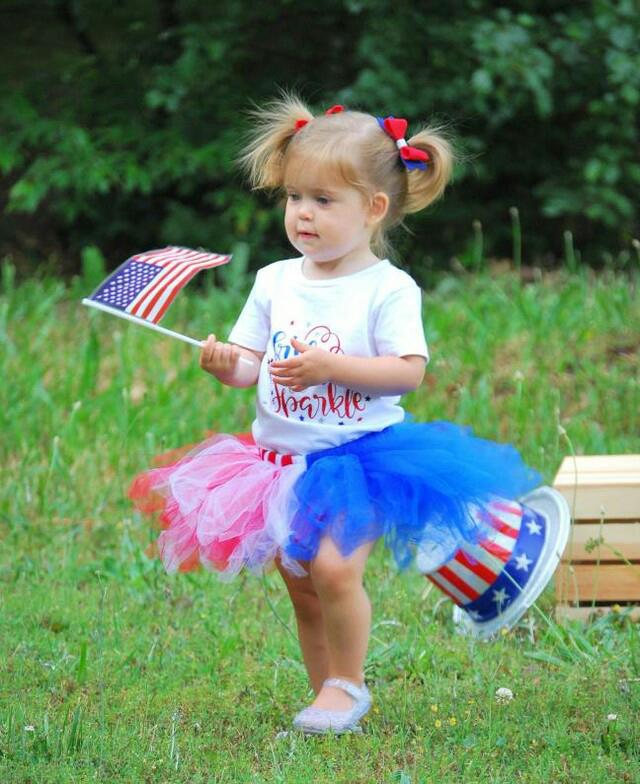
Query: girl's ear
point(378, 207)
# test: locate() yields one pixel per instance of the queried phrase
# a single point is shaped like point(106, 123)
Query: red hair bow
point(333, 110)
point(411, 157)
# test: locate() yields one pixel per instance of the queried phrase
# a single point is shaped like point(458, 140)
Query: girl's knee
point(333, 575)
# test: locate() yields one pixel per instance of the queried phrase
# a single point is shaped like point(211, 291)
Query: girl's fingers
point(221, 356)
point(205, 354)
point(285, 381)
point(286, 364)
point(218, 356)
point(227, 356)
point(284, 372)
point(210, 346)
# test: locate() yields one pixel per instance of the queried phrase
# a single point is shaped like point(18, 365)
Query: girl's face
point(326, 219)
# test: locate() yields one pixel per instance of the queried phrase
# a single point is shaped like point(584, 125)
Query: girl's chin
point(318, 257)
point(314, 257)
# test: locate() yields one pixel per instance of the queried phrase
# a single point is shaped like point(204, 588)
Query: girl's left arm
point(377, 375)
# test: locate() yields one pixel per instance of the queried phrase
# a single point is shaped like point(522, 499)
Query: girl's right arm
point(222, 360)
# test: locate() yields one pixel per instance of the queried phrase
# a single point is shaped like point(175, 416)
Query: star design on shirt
point(367, 398)
point(522, 562)
point(500, 597)
point(534, 527)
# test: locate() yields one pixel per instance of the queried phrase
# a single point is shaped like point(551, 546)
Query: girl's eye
point(293, 196)
point(322, 200)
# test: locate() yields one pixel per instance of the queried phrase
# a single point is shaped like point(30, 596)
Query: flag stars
point(500, 597)
point(125, 285)
point(523, 563)
point(534, 527)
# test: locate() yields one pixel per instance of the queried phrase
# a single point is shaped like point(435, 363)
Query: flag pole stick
point(150, 325)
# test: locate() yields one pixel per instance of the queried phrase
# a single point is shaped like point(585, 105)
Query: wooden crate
point(603, 493)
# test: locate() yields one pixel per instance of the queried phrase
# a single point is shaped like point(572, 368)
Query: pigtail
point(274, 125)
point(425, 186)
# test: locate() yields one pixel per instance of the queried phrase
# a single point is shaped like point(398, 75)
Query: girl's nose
point(304, 209)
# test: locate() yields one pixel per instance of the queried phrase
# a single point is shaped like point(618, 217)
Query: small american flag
point(147, 283)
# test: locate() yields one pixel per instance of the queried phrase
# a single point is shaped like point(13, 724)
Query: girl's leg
point(346, 612)
point(313, 642)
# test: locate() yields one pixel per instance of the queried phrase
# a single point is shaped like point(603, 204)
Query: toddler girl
point(333, 338)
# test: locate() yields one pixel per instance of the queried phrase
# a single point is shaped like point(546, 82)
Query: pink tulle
point(221, 505)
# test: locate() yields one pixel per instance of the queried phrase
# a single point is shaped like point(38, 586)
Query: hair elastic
point(332, 110)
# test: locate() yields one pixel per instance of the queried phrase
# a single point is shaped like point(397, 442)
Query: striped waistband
point(280, 460)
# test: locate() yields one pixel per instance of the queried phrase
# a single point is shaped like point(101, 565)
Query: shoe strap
point(342, 683)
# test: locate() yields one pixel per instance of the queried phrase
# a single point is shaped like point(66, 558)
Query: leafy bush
point(121, 122)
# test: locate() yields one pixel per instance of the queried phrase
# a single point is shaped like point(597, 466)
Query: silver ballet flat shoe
point(318, 721)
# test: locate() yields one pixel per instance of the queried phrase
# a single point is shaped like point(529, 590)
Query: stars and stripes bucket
point(495, 582)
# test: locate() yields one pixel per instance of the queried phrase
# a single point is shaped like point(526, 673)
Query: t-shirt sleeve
point(251, 330)
point(398, 329)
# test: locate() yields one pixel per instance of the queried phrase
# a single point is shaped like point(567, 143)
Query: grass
point(111, 671)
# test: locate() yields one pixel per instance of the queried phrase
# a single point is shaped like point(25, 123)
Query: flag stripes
point(147, 283)
point(445, 586)
point(471, 572)
point(481, 569)
point(179, 266)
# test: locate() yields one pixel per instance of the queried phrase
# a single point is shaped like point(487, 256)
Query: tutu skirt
point(230, 504)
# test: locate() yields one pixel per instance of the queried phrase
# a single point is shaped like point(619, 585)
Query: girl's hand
point(310, 367)
point(219, 359)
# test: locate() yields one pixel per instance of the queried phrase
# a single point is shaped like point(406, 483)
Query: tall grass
point(112, 671)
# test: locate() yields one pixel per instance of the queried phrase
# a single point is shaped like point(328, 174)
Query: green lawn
point(112, 671)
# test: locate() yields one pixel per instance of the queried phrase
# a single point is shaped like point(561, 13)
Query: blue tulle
point(409, 483)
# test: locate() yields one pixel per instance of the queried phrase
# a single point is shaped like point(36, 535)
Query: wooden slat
point(600, 464)
point(584, 613)
point(624, 537)
point(598, 486)
point(596, 501)
point(604, 582)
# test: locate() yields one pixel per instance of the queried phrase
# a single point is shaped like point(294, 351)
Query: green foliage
point(122, 131)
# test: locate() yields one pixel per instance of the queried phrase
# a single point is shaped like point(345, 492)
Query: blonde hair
point(352, 146)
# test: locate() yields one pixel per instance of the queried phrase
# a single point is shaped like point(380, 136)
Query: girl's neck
point(324, 270)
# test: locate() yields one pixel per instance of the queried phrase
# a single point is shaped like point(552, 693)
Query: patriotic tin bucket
point(495, 582)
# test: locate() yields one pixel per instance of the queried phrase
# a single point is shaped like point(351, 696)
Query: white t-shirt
point(374, 312)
